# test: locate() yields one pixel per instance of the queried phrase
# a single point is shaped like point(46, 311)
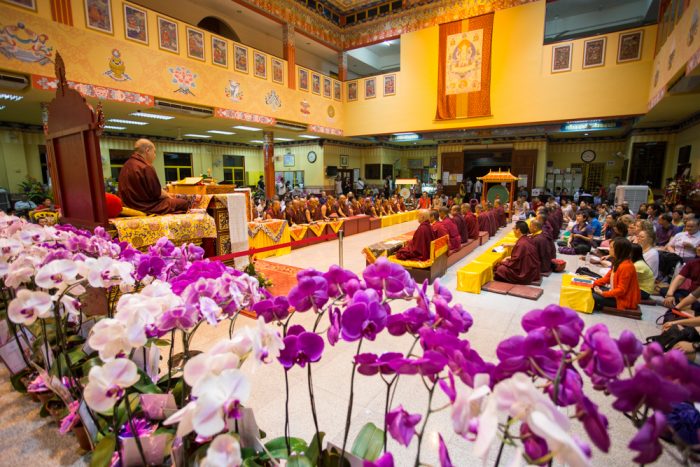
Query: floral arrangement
point(195, 411)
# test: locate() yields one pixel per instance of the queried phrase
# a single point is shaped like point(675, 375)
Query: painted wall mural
point(185, 80)
point(273, 100)
point(305, 107)
point(117, 67)
point(244, 116)
point(233, 91)
point(46, 83)
point(21, 43)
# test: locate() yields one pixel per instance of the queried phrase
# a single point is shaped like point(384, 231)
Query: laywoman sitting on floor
point(645, 275)
point(623, 292)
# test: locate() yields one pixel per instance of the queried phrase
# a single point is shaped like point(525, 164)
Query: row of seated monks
point(311, 209)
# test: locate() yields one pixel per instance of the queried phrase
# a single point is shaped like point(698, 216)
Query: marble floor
point(25, 436)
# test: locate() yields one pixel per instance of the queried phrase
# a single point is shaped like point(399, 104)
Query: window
point(234, 170)
point(294, 177)
point(117, 158)
point(373, 171)
point(177, 166)
point(387, 169)
point(647, 165)
point(43, 161)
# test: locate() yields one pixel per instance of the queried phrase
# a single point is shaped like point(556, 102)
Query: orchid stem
point(170, 358)
point(231, 326)
point(431, 392)
point(137, 438)
point(115, 429)
point(286, 413)
point(503, 443)
point(350, 402)
point(313, 410)
point(396, 382)
point(386, 410)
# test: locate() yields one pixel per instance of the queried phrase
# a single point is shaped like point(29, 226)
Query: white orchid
point(562, 446)
point(107, 384)
point(224, 355)
point(216, 404)
point(469, 404)
point(56, 274)
point(112, 337)
point(28, 306)
point(224, 451)
point(20, 272)
point(105, 272)
point(9, 248)
point(266, 341)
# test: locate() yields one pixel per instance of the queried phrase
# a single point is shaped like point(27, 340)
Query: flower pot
point(158, 406)
point(56, 409)
point(83, 438)
point(153, 450)
point(44, 397)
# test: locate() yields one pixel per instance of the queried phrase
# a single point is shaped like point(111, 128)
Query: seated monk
point(439, 229)
point(543, 245)
point(457, 218)
point(493, 222)
point(275, 211)
point(313, 211)
point(451, 227)
point(418, 248)
point(470, 220)
point(523, 265)
point(482, 219)
point(295, 213)
point(139, 187)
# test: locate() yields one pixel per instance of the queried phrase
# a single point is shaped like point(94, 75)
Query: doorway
point(348, 178)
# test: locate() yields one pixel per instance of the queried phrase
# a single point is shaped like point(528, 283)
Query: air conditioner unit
point(14, 82)
point(186, 109)
point(293, 126)
point(635, 195)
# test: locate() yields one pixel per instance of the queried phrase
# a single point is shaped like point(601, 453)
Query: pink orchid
point(107, 384)
point(266, 342)
point(224, 451)
point(469, 404)
point(28, 306)
point(56, 274)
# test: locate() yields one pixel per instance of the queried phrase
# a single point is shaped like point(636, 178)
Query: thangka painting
point(390, 85)
point(336, 90)
point(167, 35)
point(98, 15)
point(219, 51)
point(315, 83)
point(21, 43)
point(370, 88)
point(135, 24)
point(303, 80)
point(561, 58)
point(277, 71)
point(195, 44)
point(594, 52)
point(352, 91)
point(30, 4)
point(260, 65)
point(630, 46)
point(326, 87)
point(240, 58)
point(463, 62)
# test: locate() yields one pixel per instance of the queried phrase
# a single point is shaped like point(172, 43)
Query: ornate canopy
point(498, 177)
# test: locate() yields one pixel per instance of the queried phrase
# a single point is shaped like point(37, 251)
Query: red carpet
point(283, 277)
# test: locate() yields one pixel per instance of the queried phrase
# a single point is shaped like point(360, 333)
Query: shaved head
point(423, 215)
point(146, 148)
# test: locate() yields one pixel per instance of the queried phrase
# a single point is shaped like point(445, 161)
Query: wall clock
point(588, 156)
point(311, 157)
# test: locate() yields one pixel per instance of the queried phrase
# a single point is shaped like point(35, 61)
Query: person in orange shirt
point(624, 291)
point(424, 202)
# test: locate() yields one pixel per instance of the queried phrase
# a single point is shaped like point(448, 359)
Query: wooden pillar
point(288, 38)
point(269, 163)
point(342, 66)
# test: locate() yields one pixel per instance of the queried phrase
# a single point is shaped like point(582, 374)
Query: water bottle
point(588, 258)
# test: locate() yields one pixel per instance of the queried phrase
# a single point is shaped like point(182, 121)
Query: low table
point(576, 297)
point(472, 276)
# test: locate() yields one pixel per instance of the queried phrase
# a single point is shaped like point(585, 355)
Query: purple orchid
point(594, 422)
point(341, 281)
point(647, 440)
point(387, 460)
point(150, 265)
point(529, 354)
point(300, 347)
point(602, 356)
point(534, 446)
point(440, 291)
point(555, 322)
point(365, 316)
point(388, 276)
point(310, 291)
point(462, 360)
point(570, 388)
point(205, 269)
point(443, 454)
point(453, 319)
point(630, 347)
point(141, 425)
point(273, 309)
point(410, 321)
point(370, 364)
point(333, 333)
point(401, 425)
point(180, 317)
point(646, 387)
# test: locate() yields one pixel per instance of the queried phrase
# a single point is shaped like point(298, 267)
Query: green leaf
point(316, 443)
point(76, 355)
point(278, 447)
point(299, 461)
point(369, 443)
point(160, 342)
point(251, 462)
point(102, 455)
point(95, 361)
point(16, 382)
point(145, 385)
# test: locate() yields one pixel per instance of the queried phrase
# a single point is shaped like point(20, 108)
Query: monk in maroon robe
point(470, 220)
point(139, 187)
point(275, 211)
point(543, 245)
point(439, 229)
point(493, 222)
point(451, 227)
point(313, 211)
point(482, 219)
point(523, 264)
point(418, 248)
point(460, 223)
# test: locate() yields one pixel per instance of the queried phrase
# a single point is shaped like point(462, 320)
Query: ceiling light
point(195, 135)
point(10, 97)
point(257, 141)
point(387, 43)
point(283, 139)
point(221, 132)
point(308, 136)
point(2, 107)
point(113, 127)
point(247, 128)
point(150, 115)
point(127, 122)
point(397, 137)
point(586, 134)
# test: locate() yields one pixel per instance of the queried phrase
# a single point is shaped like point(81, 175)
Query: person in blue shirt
point(595, 224)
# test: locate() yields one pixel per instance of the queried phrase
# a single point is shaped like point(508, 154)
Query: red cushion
point(114, 205)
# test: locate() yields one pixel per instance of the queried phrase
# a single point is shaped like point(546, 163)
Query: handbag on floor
point(584, 271)
point(672, 314)
point(674, 335)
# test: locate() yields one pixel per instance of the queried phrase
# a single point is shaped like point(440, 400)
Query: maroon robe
point(483, 221)
point(418, 248)
point(492, 223)
point(295, 216)
point(472, 226)
point(544, 248)
point(275, 215)
point(501, 216)
point(461, 227)
point(453, 232)
point(315, 214)
point(523, 266)
point(139, 188)
point(439, 230)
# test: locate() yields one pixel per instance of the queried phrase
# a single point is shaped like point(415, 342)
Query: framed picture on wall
point(629, 48)
point(98, 15)
point(390, 85)
point(326, 87)
point(195, 43)
point(344, 161)
point(167, 35)
point(315, 83)
point(561, 57)
point(370, 88)
point(277, 71)
point(594, 52)
point(29, 4)
point(352, 91)
point(240, 58)
point(135, 24)
point(219, 51)
point(289, 160)
point(303, 79)
point(260, 65)
point(337, 90)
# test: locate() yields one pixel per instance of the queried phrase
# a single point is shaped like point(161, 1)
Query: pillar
point(288, 38)
point(269, 163)
point(342, 66)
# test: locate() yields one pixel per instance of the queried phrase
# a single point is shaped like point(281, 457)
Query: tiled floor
point(26, 437)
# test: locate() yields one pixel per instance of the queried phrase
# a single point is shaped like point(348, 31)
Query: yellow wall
point(523, 90)
point(564, 154)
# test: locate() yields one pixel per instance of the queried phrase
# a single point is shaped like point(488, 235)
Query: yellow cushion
point(412, 263)
point(128, 212)
point(471, 277)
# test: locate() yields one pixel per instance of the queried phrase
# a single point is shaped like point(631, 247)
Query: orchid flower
point(266, 342)
point(56, 274)
point(224, 451)
point(107, 384)
point(28, 306)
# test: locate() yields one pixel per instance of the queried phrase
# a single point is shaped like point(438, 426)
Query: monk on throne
point(523, 265)
point(418, 248)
